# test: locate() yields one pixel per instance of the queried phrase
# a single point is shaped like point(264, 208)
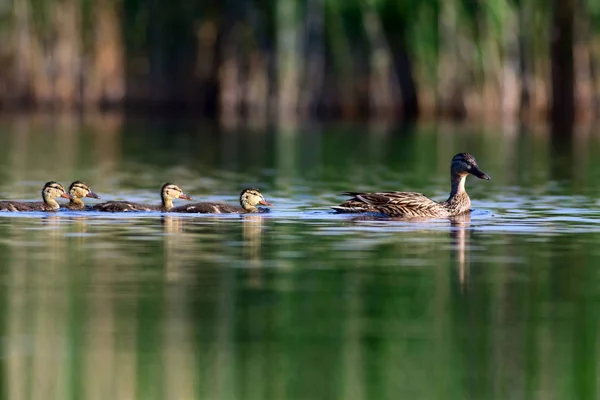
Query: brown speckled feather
point(249, 199)
point(123, 206)
point(212, 208)
point(202, 208)
point(24, 206)
point(394, 204)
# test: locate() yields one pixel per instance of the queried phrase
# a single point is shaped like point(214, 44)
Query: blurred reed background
point(297, 58)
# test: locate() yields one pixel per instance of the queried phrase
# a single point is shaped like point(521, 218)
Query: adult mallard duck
point(416, 205)
point(168, 193)
point(77, 191)
point(249, 199)
point(51, 191)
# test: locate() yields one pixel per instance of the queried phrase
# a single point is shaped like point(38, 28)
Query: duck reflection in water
point(460, 233)
point(252, 231)
point(175, 245)
point(172, 224)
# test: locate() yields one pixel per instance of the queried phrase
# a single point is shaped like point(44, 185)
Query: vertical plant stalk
point(450, 95)
point(67, 53)
point(594, 56)
point(494, 71)
point(104, 84)
point(583, 91)
point(310, 96)
point(288, 58)
point(229, 76)
point(33, 67)
point(383, 85)
point(510, 90)
point(525, 67)
point(562, 62)
point(22, 52)
point(339, 86)
point(256, 86)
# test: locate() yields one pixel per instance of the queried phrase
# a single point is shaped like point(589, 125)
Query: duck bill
point(265, 203)
point(65, 195)
point(185, 196)
point(92, 195)
point(480, 174)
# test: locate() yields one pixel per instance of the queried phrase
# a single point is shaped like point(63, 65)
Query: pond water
point(299, 303)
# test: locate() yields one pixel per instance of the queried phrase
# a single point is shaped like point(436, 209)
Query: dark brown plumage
point(417, 205)
point(168, 192)
point(51, 191)
point(249, 199)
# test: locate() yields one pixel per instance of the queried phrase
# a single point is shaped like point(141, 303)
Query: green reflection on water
point(299, 305)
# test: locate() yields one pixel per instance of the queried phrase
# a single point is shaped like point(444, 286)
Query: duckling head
point(79, 189)
point(464, 164)
point(51, 191)
point(169, 192)
point(250, 198)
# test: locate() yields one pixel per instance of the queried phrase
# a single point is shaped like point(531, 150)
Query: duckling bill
point(417, 205)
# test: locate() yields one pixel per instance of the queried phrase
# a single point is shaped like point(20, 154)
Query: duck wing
point(229, 209)
point(357, 203)
point(123, 206)
point(208, 208)
point(363, 202)
point(393, 204)
point(22, 206)
point(405, 199)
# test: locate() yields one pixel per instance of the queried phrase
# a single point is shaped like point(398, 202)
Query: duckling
point(168, 192)
point(249, 199)
point(51, 191)
point(416, 205)
point(77, 191)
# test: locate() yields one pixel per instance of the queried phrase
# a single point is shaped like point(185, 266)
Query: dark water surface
point(299, 303)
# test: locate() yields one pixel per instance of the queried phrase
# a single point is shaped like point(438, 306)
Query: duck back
point(24, 206)
point(207, 208)
point(124, 206)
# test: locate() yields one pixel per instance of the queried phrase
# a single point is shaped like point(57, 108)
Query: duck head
point(464, 164)
point(79, 189)
point(53, 190)
point(250, 198)
point(169, 192)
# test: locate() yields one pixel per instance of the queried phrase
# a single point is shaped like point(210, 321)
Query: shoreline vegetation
point(292, 59)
